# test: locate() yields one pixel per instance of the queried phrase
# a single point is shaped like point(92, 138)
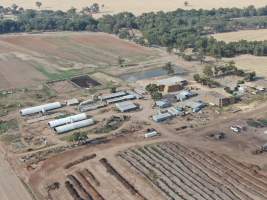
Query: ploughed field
point(28, 59)
point(179, 172)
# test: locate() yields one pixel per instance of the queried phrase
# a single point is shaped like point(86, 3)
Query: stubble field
point(249, 35)
point(135, 6)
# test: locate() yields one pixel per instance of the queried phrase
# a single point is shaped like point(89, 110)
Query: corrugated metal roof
point(175, 112)
point(113, 95)
point(163, 103)
point(161, 117)
point(73, 101)
point(126, 106)
point(123, 98)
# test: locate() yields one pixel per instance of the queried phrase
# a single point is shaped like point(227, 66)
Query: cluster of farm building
point(179, 99)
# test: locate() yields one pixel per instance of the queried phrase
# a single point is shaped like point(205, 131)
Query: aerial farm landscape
point(133, 100)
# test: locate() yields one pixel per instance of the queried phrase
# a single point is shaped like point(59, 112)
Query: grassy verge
point(59, 75)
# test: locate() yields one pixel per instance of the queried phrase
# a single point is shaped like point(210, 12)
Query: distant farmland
point(250, 35)
point(135, 6)
point(27, 59)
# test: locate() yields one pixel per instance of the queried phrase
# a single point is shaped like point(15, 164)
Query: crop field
point(179, 172)
point(251, 63)
point(28, 59)
point(250, 35)
point(135, 6)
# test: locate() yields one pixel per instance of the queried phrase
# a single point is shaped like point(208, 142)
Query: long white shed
point(73, 126)
point(67, 120)
point(41, 108)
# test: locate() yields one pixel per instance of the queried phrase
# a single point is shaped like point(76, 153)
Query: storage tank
point(73, 126)
point(41, 108)
point(67, 120)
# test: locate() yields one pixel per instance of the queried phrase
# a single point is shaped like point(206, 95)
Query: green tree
point(168, 67)
point(38, 4)
point(197, 77)
point(208, 71)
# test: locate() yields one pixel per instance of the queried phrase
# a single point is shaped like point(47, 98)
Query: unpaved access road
point(11, 188)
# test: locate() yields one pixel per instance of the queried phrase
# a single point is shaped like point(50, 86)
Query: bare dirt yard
point(10, 185)
point(250, 35)
point(251, 63)
point(135, 6)
point(27, 59)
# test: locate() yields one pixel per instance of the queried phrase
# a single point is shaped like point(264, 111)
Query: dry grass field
point(26, 59)
point(135, 6)
point(252, 63)
point(250, 35)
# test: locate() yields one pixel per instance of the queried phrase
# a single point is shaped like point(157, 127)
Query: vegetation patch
point(259, 123)
point(111, 124)
point(7, 125)
point(60, 75)
point(76, 137)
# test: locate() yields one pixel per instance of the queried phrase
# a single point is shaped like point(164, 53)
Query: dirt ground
point(135, 6)
point(10, 185)
point(239, 147)
point(250, 35)
point(28, 59)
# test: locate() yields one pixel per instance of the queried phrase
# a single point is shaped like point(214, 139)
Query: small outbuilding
point(162, 117)
point(196, 105)
point(126, 106)
point(112, 95)
point(72, 102)
point(175, 112)
point(184, 95)
point(163, 103)
point(172, 84)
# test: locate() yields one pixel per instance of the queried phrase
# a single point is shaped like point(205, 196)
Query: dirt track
point(11, 187)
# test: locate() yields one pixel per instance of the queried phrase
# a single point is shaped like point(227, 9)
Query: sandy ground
point(250, 35)
point(135, 6)
point(252, 63)
point(10, 186)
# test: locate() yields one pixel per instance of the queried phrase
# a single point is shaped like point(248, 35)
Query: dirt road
point(11, 187)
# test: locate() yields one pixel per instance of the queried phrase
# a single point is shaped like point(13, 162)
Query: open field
point(135, 6)
point(250, 35)
point(28, 59)
point(251, 63)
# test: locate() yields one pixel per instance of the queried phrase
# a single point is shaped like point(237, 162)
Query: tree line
point(180, 29)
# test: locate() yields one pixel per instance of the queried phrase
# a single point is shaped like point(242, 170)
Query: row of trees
point(211, 72)
point(180, 29)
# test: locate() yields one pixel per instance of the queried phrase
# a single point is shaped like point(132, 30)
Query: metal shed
point(196, 106)
point(119, 99)
point(161, 117)
point(183, 95)
point(67, 120)
point(113, 95)
point(163, 103)
point(41, 108)
point(73, 126)
point(175, 112)
point(126, 106)
point(72, 102)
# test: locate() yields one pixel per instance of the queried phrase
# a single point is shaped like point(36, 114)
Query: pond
point(151, 73)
